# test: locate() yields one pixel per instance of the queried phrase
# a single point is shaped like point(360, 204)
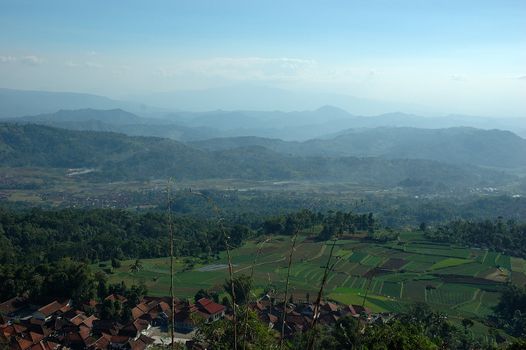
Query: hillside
point(210, 131)
point(117, 120)
point(492, 148)
point(119, 157)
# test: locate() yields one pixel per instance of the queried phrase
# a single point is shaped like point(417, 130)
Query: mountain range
point(114, 156)
point(458, 145)
point(238, 121)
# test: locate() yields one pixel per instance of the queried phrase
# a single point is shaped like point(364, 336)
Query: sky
point(456, 56)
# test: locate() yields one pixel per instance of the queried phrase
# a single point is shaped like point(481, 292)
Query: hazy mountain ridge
point(302, 123)
point(459, 145)
point(19, 103)
point(121, 157)
point(494, 148)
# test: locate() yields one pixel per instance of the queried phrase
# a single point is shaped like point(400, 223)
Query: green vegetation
point(449, 262)
point(507, 237)
point(111, 157)
point(386, 274)
point(469, 291)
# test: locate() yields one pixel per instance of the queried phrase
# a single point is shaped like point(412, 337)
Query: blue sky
point(457, 56)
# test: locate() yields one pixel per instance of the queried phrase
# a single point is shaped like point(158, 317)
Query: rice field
point(457, 280)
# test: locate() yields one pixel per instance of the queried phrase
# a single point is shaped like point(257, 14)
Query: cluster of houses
point(61, 325)
point(299, 316)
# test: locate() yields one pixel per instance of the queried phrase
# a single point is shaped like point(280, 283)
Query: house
point(106, 327)
point(186, 314)
point(45, 345)
point(135, 328)
point(12, 307)
point(213, 310)
point(47, 311)
point(356, 311)
point(141, 343)
point(183, 319)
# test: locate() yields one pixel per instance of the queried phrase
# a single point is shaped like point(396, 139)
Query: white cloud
point(243, 68)
point(523, 77)
point(87, 64)
point(7, 59)
point(30, 59)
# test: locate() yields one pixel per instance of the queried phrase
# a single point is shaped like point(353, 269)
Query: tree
point(136, 266)
point(517, 345)
point(397, 336)
point(115, 263)
point(346, 333)
point(467, 323)
point(242, 287)
point(107, 311)
point(327, 232)
point(219, 335)
point(201, 293)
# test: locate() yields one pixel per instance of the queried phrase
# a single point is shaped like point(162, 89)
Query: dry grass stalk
point(248, 299)
point(284, 314)
point(172, 297)
point(315, 316)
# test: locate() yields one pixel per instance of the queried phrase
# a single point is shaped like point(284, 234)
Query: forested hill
point(119, 157)
point(461, 145)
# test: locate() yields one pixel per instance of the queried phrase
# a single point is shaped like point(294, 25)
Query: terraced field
point(464, 282)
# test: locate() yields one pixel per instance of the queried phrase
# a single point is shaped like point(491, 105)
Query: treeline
point(92, 235)
point(38, 236)
point(332, 222)
point(508, 237)
point(510, 313)
point(65, 279)
point(392, 211)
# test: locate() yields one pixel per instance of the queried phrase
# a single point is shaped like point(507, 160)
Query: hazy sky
point(466, 56)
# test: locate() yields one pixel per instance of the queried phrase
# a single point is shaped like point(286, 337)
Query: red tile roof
point(50, 308)
point(89, 321)
point(24, 344)
point(114, 297)
point(12, 305)
point(119, 339)
point(19, 328)
point(45, 345)
point(210, 307)
point(36, 337)
point(137, 312)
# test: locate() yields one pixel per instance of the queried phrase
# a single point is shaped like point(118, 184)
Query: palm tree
point(136, 266)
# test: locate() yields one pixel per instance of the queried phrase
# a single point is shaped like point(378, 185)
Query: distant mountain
point(111, 116)
point(211, 131)
point(118, 157)
point(326, 122)
point(492, 148)
point(18, 103)
point(262, 98)
point(117, 120)
point(235, 118)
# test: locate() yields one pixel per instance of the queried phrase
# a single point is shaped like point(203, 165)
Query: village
point(61, 325)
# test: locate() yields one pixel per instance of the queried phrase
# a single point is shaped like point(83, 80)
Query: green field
point(460, 281)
